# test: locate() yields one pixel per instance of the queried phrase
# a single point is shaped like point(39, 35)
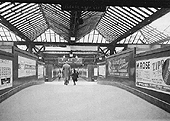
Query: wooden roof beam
point(63, 43)
point(135, 3)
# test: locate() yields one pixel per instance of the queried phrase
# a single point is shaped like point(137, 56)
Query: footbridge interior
point(108, 42)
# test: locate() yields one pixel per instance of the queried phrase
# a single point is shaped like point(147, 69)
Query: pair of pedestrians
point(66, 70)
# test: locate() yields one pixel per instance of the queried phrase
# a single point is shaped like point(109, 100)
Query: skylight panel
point(147, 11)
point(52, 37)
point(7, 33)
point(27, 8)
point(18, 6)
point(137, 38)
point(122, 41)
point(62, 39)
point(81, 40)
point(84, 14)
point(120, 19)
point(58, 6)
point(96, 32)
point(140, 12)
point(64, 14)
point(12, 11)
point(23, 16)
point(43, 37)
point(57, 18)
point(38, 39)
point(13, 36)
point(47, 31)
point(9, 38)
point(86, 39)
point(1, 30)
point(2, 33)
point(90, 38)
point(92, 32)
point(128, 15)
point(48, 37)
point(57, 38)
point(7, 11)
point(134, 13)
point(6, 8)
point(129, 20)
point(104, 40)
point(131, 39)
point(17, 13)
point(4, 38)
point(4, 4)
point(153, 9)
point(57, 10)
point(50, 31)
point(95, 39)
point(100, 39)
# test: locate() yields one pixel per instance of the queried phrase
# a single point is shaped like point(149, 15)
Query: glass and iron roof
point(44, 22)
point(147, 35)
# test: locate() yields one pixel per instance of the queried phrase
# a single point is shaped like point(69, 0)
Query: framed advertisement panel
point(5, 74)
point(40, 71)
point(119, 66)
point(102, 71)
point(95, 71)
point(154, 74)
point(26, 67)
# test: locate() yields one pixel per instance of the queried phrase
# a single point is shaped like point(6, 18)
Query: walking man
point(66, 70)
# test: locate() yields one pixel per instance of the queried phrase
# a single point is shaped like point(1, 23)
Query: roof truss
point(121, 19)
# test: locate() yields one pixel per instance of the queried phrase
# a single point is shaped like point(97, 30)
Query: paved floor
point(86, 101)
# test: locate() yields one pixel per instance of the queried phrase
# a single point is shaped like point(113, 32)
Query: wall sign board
point(26, 67)
point(118, 66)
point(154, 74)
point(5, 74)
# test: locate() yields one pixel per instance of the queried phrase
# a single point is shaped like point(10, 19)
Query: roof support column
point(74, 22)
point(30, 47)
point(112, 49)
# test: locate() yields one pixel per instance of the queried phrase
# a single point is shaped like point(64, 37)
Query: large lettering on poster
point(26, 67)
point(118, 66)
point(154, 74)
point(5, 74)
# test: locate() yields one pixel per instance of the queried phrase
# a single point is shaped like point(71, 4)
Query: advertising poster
point(95, 71)
point(154, 74)
point(102, 71)
point(70, 60)
point(118, 66)
point(26, 67)
point(5, 74)
point(40, 71)
point(86, 73)
point(44, 71)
